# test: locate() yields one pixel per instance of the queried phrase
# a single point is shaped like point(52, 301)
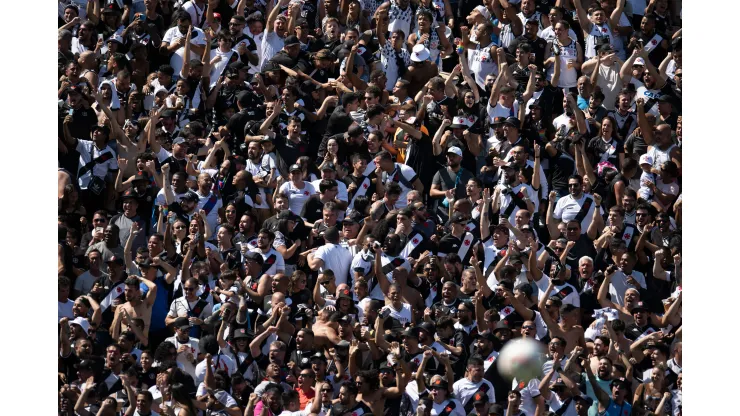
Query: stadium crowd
point(348, 207)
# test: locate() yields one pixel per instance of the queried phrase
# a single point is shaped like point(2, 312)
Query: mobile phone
point(385, 313)
point(142, 17)
point(100, 36)
point(332, 79)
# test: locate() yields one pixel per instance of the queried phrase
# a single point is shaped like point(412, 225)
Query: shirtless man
point(372, 393)
point(325, 335)
point(569, 318)
point(135, 306)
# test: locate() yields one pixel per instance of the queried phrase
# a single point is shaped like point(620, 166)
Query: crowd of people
point(346, 207)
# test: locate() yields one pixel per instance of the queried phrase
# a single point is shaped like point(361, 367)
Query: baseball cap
point(329, 166)
point(294, 167)
point(354, 217)
point(345, 294)
point(646, 159)
point(497, 121)
point(620, 380)
point(242, 333)
point(536, 104)
point(455, 150)
point(318, 357)
point(513, 121)
point(639, 61)
point(128, 194)
point(480, 398)
point(639, 306)
point(182, 323)
point(440, 383)
point(169, 113)
point(104, 129)
point(291, 40)
point(115, 260)
point(141, 176)
point(458, 218)
point(429, 327)
point(459, 122)
point(582, 397)
point(255, 257)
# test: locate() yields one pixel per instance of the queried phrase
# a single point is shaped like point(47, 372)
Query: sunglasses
point(528, 327)
point(306, 375)
point(188, 289)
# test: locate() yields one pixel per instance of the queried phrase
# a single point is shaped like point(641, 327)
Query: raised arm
point(516, 24)
point(583, 17)
point(601, 395)
point(616, 14)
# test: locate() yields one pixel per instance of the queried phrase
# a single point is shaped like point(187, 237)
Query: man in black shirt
point(314, 206)
point(529, 36)
point(340, 119)
point(247, 102)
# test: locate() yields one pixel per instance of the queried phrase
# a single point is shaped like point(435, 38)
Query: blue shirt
point(616, 410)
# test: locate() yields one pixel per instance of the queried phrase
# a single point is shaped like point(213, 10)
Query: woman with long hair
point(184, 405)
point(607, 147)
point(648, 395)
point(70, 205)
point(297, 290)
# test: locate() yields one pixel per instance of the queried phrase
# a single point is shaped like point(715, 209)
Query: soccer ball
point(521, 359)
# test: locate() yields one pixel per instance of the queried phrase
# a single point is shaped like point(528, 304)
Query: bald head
point(87, 59)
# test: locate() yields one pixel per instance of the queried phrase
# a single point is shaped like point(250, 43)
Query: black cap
point(318, 357)
point(329, 166)
point(665, 99)
point(582, 397)
point(354, 217)
point(410, 333)
point(291, 40)
point(606, 48)
point(479, 398)
point(513, 121)
point(458, 218)
point(86, 364)
point(128, 194)
point(535, 103)
point(294, 167)
point(243, 333)
point(620, 380)
point(498, 121)
point(115, 260)
point(502, 324)
point(384, 366)
point(439, 383)
point(256, 257)
point(285, 215)
point(270, 67)
point(237, 65)
point(182, 323)
point(231, 73)
point(169, 113)
point(639, 306)
point(190, 196)
point(345, 294)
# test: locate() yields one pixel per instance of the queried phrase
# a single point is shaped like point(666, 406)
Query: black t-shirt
point(420, 157)
point(312, 209)
point(635, 145)
point(584, 247)
point(339, 122)
point(597, 148)
point(562, 166)
point(539, 46)
point(446, 179)
point(435, 115)
point(288, 150)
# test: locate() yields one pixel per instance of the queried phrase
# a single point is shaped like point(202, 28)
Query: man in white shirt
point(187, 347)
point(209, 201)
point(464, 389)
point(576, 206)
point(625, 278)
point(173, 41)
point(403, 175)
point(332, 256)
point(273, 262)
point(275, 31)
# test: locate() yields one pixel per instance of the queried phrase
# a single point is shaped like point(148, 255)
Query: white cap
point(639, 61)
point(456, 150)
point(646, 160)
point(483, 11)
point(82, 322)
point(419, 53)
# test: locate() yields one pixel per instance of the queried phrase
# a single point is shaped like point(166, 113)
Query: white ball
point(521, 359)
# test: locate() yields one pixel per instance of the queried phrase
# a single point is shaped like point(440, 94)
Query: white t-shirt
point(529, 391)
point(570, 295)
point(439, 408)
point(298, 197)
point(197, 14)
point(501, 111)
point(271, 44)
point(409, 176)
point(177, 59)
point(220, 362)
point(278, 266)
point(341, 190)
point(212, 216)
point(181, 358)
point(180, 308)
point(390, 63)
point(464, 389)
point(567, 209)
point(337, 259)
point(64, 309)
point(403, 316)
point(619, 285)
point(89, 152)
point(555, 404)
